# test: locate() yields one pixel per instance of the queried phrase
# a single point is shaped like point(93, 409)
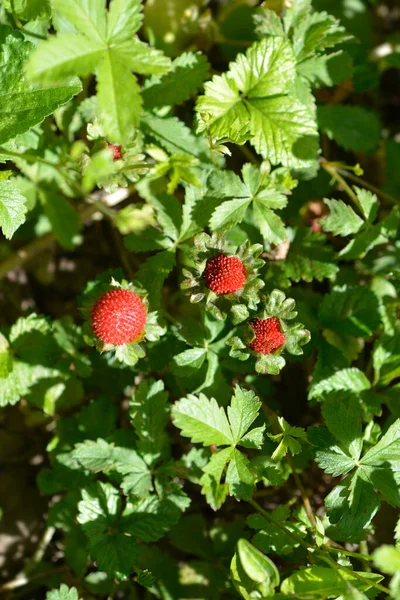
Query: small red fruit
point(116, 150)
point(269, 335)
point(118, 317)
point(224, 274)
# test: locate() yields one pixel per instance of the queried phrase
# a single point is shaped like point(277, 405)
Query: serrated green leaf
point(149, 413)
point(187, 74)
point(21, 104)
point(162, 263)
point(343, 419)
point(171, 134)
point(105, 45)
point(271, 226)
point(350, 311)
point(348, 380)
point(202, 420)
point(63, 593)
point(342, 220)
point(242, 412)
point(119, 98)
point(12, 208)
point(352, 127)
point(124, 19)
point(215, 491)
point(239, 476)
point(352, 505)
point(251, 101)
point(309, 258)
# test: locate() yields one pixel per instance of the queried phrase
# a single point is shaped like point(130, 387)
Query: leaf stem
point(332, 170)
point(368, 185)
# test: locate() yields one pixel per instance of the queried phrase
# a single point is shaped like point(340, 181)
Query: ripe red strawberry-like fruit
point(116, 150)
point(118, 317)
point(224, 274)
point(269, 335)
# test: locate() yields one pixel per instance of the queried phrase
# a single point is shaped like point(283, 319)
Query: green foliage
point(139, 141)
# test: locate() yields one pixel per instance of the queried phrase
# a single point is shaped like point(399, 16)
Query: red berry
point(224, 274)
point(117, 150)
point(269, 335)
point(118, 317)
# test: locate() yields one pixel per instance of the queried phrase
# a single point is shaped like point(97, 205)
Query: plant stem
point(332, 170)
point(272, 417)
point(322, 554)
point(304, 497)
point(368, 185)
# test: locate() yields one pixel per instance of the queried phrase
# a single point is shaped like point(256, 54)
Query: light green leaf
point(349, 380)
point(63, 593)
point(12, 208)
point(229, 213)
point(188, 71)
point(188, 361)
point(242, 412)
point(202, 420)
point(141, 57)
point(215, 491)
point(171, 134)
point(283, 131)
point(88, 16)
point(387, 559)
point(124, 19)
point(342, 220)
point(271, 226)
point(119, 97)
point(251, 100)
point(22, 106)
point(326, 582)
point(239, 476)
point(29, 10)
point(65, 55)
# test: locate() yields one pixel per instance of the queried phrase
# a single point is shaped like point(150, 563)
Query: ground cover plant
point(199, 312)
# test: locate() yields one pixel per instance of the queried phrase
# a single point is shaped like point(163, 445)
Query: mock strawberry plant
point(199, 302)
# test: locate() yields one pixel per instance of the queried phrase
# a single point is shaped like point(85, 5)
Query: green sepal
point(206, 247)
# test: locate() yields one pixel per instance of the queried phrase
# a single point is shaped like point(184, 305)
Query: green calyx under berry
point(117, 318)
point(226, 279)
point(268, 334)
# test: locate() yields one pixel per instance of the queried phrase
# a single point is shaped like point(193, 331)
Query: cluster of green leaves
point(205, 164)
